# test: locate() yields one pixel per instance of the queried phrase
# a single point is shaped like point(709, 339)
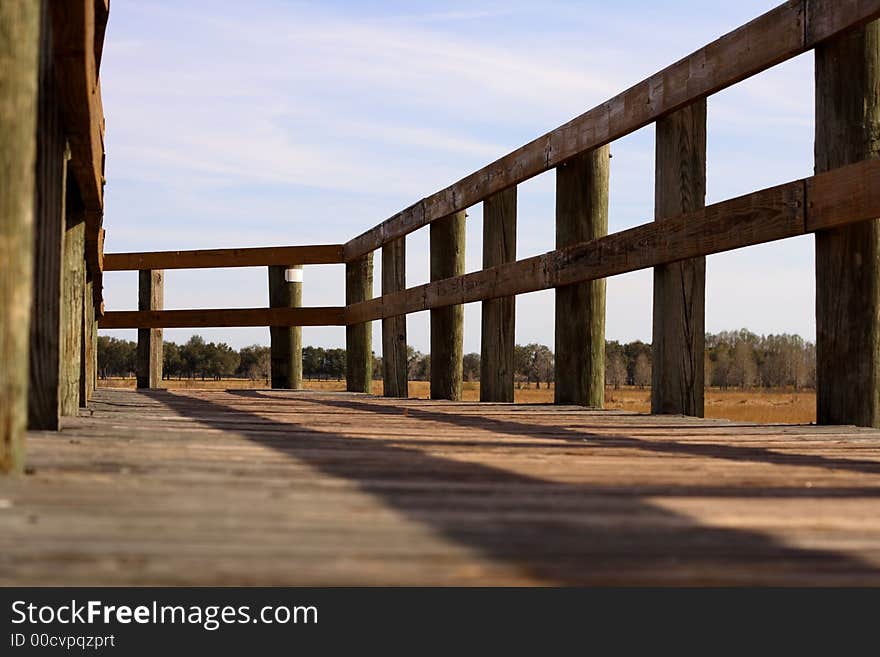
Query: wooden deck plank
point(281, 487)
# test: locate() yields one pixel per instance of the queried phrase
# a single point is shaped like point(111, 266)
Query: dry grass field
point(759, 405)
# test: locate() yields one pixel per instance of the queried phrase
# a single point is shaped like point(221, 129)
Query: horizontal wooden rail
point(321, 254)
point(843, 196)
point(782, 33)
point(210, 318)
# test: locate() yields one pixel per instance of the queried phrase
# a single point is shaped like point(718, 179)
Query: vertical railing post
point(581, 215)
point(394, 358)
point(848, 258)
point(89, 345)
point(359, 337)
point(285, 291)
point(447, 324)
point(45, 362)
point(149, 348)
point(73, 269)
point(678, 343)
point(19, 23)
point(498, 315)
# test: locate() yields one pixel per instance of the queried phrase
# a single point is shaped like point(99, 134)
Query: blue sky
point(236, 124)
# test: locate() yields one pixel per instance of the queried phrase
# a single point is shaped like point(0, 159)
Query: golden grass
point(759, 405)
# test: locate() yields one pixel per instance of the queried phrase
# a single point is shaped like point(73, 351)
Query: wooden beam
point(95, 253)
point(19, 66)
point(44, 402)
point(102, 14)
point(679, 309)
point(151, 297)
point(210, 258)
point(447, 322)
point(73, 38)
point(285, 341)
point(72, 284)
point(223, 317)
point(848, 257)
point(780, 34)
point(395, 366)
point(581, 215)
point(497, 329)
point(89, 357)
point(359, 336)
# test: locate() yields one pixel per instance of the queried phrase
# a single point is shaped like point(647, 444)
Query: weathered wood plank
point(679, 309)
point(764, 216)
point(44, 403)
point(73, 28)
point(395, 366)
point(774, 37)
point(498, 327)
point(223, 317)
point(843, 196)
point(285, 341)
point(359, 335)
point(208, 258)
point(447, 322)
point(19, 70)
point(89, 357)
point(151, 297)
point(848, 257)
point(102, 14)
point(581, 216)
point(72, 284)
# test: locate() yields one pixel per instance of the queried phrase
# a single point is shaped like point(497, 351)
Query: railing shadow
point(714, 450)
point(559, 532)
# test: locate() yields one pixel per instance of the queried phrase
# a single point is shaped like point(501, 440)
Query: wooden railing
point(284, 313)
point(842, 197)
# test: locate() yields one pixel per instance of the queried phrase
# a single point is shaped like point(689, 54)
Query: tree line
point(739, 359)
point(197, 359)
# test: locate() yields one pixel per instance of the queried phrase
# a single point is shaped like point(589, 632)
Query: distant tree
point(470, 367)
point(543, 365)
point(255, 362)
point(378, 367)
point(743, 371)
point(194, 358)
point(115, 357)
point(418, 364)
point(222, 360)
point(172, 363)
point(642, 370)
point(335, 363)
point(615, 370)
point(631, 352)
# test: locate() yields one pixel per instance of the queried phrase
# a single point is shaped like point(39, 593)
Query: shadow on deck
point(243, 487)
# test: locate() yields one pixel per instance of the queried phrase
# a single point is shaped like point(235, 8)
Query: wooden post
point(285, 291)
point(447, 324)
point(88, 365)
point(848, 258)
point(678, 344)
point(394, 357)
point(44, 390)
point(581, 215)
point(73, 283)
point(149, 349)
point(20, 25)
point(499, 315)
point(359, 337)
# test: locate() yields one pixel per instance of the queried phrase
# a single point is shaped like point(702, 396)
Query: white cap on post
point(294, 274)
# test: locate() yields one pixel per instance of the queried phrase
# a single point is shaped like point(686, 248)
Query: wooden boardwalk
point(274, 487)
